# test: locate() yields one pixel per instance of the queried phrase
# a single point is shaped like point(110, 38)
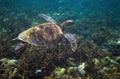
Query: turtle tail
point(15, 39)
point(72, 40)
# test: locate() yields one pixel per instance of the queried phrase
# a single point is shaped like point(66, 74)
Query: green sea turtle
point(46, 34)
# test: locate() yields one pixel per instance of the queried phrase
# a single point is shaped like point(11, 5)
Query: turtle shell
point(42, 34)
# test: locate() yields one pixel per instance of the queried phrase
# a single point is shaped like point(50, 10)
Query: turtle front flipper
point(47, 18)
point(72, 40)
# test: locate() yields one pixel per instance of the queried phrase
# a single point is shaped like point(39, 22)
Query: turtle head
point(66, 23)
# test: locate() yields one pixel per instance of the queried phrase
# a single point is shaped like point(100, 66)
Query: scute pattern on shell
point(41, 35)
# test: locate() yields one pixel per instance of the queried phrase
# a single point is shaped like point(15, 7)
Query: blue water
point(62, 10)
point(96, 28)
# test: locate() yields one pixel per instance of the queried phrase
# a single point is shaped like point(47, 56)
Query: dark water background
point(97, 23)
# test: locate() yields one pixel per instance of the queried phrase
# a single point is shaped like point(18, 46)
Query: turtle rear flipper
point(20, 47)
point(47, 18)
point(72, 40)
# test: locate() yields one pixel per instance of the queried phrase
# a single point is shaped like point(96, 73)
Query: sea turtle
point(46, 34)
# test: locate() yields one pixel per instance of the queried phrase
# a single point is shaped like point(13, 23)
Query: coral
point(95, 61)
point(59, 72)
point(8, 68)
point(8, 62)
point(71, 69)
point(81, 68)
